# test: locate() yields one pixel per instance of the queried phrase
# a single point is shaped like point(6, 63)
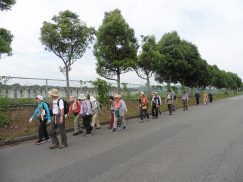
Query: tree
point(103, 89)
point(67, 38)
point(147, 59)
point(6, 4)
point(5, 42)
point(6, 37)
point(115, 48)
point(168, 69)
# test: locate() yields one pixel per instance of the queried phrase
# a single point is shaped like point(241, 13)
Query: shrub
point(4, 120)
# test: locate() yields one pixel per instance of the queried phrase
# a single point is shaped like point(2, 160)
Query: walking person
point(210, 95)
point(143, 106)
point(169, 101)
point(117, 110)
point(42, 113)
point(58, 120)
point(96, 109)
point(155, 105)
point(174, 101)
point(86, 114)
point(74, 108)
point(112, 109)
point(159, 103)
point(185, 100)
point(123, 111)
point(197, 96)
point(205, 97)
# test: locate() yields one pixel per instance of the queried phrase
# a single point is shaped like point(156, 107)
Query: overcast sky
point(215, 26)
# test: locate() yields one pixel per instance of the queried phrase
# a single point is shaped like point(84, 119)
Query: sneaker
point(62, 146)
point(141, 121)
point(81, 131)
point(114, 130)
point(54, 146)
point(39, 142)
point(124, 127)
point(75, 133)
point(97, 128)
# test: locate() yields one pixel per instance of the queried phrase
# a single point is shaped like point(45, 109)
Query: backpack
point(49, 107)
point(66, 105)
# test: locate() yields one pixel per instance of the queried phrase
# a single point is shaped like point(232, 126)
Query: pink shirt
point(117, 104)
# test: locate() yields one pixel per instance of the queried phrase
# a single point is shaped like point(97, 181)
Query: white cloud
point(214, 26)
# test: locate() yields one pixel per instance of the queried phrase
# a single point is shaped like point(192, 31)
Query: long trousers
point(143, 113)
point(57, 126)
point(185, 105)
point(111, 120)
point(170, 108)
point(154, 111)
point(42, 130)
point(95, 120)
point(76, 123)
point(87, 123)
point(197, 100)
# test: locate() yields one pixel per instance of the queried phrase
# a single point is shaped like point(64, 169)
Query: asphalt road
point(204, 144)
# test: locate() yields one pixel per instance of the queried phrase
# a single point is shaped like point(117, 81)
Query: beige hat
point(54, 92)
point(141, 93)
point(39, 97)
point(117, 96)
point(81, 97)
point(72, 98)
point(92, 99)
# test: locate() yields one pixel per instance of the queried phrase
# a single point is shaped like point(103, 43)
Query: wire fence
point(22, 87)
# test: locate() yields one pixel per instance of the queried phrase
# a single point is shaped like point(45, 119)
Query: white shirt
point(55, 108)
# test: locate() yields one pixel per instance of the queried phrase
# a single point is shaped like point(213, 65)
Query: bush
point(4, 120)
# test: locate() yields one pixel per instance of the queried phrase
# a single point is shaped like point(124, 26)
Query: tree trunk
point(67, 80)
point(118, 82)
point(169, 88)
point(148, 85)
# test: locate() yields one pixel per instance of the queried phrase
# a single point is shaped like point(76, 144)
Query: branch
point(139, 74)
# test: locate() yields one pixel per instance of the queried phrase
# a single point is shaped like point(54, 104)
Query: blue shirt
point(37, 112)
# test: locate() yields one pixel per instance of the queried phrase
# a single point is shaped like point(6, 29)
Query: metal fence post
point(46, 88)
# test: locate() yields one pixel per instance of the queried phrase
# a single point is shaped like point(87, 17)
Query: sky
point(214, 26)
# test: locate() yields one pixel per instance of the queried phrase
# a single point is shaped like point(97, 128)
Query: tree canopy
point(115, 48)
point(67, 38)
point(6, 4)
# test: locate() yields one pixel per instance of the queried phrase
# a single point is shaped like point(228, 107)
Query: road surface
point(204, 144)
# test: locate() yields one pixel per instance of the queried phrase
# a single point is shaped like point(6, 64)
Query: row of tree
point(117, 51)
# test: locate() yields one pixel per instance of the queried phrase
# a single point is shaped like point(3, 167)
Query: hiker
point(205, 97)
point(143, 106)
point(169, 101)
point(123, 111)
point(42, 113)
point(159, 102)
point(112, 109)
point(197, 96)
point(174, 101)
point(184, 99)
point(96, 109)
point(74, 108)
point(210, 95)
point(58, 120)
point(117, 110)
point(155, 105)
point(86, 113)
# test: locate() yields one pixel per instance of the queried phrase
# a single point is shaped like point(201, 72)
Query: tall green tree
point(5, 42)
point(168, 69)
point(115, 48)
point(6, 4)
point(6, 37)
point(147, 59)
point(67, 37)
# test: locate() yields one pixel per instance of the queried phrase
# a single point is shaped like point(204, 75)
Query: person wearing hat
point(155, 105)
point(143, 106)
point(169, 99)
point(117, 111)
point(74, 108)
point(96, 109)
point(42, 113)
point(205, 97)
point(86, 113)
point(184, 99)
point(58, 120)
point(197, 96)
